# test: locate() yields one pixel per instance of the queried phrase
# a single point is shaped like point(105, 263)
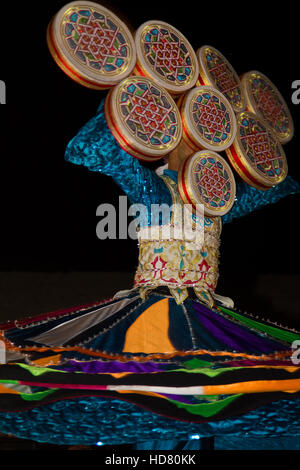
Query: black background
point(49, 205)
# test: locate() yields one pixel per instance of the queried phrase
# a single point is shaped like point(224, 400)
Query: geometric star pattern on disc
point(270, 105)
point(167, 55)
point(148, 114)
point(212, 182)
point(96, 41)
point(211, 118)
point(223, 77)
point(262, 150)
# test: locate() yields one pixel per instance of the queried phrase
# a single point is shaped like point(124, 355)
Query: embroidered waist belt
point(179, 264)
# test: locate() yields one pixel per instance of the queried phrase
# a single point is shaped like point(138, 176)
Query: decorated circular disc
point(143, 118)
point(256, 154)
point(265, 100)
point(206, 178)
point(166, 56)
point(91, 44)
point(208, 119)
point(216, 71)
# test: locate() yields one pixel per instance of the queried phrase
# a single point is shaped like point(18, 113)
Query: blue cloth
point(88, 421)
point(249, 199)
point(95, 148)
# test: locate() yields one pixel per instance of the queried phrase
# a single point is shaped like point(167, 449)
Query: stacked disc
point(265, 100)
point(206, 182)
point(166, 56)
point(256, 154)
point(95, 48)
point(204, 177)
point(208, 119)
point(143, 118)
point(216, 71)
point(91, 45)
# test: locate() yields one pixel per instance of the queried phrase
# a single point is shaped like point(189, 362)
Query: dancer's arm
point(95, 147)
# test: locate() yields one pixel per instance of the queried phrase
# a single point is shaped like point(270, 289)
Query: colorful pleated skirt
point(127, 370)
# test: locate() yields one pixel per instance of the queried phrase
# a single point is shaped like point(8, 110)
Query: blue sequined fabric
point(95, 148)
point(249, 199)
point(76, 422)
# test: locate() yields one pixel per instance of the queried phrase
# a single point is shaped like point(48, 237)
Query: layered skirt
point(127, 370)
